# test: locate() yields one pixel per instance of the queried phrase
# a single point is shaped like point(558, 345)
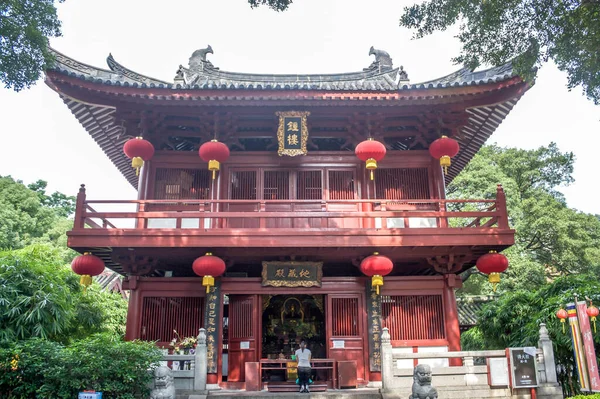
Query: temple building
point(289, 207)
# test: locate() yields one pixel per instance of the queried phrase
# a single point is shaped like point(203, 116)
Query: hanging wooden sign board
point(292, 134)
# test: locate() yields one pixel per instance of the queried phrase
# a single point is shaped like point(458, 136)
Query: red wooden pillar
point(501, 208)
point(451, 282)
point(79, 219)
point(132, 329)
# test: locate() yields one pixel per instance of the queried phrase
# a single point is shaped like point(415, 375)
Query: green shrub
point(593, 396)
point(41, 297)
point(23, 364)
point(102, 362)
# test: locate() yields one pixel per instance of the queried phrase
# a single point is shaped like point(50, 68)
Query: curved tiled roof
point(469, 307)
point(379, 85)
point(207, 77)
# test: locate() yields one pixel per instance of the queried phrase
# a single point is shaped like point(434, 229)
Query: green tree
point(64, 205)
point(25, 26)
point(529, 31)
point(28, 215)
point(41, 297)
point(22, 216)
point(551, 238)
point(513, 320)
point(277, 5)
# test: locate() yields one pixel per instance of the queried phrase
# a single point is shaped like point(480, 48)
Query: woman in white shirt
point(303, 358)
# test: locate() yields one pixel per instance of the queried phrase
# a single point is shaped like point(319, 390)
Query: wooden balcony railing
point(291, 214)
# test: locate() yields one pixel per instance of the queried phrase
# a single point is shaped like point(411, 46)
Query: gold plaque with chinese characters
point(292, 274)
point(292, 133)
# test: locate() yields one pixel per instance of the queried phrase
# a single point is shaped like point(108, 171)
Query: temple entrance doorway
point(286, 321)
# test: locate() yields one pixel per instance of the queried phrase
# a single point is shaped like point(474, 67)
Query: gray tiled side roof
point(467, 77)
point(118, 76)
point(469, 307)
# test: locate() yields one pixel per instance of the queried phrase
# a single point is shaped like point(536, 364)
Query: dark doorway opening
point(286, 321)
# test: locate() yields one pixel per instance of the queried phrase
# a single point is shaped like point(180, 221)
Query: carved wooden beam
point(136, 265)
point(446, 264)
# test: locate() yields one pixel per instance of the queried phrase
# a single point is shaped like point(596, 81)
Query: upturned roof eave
point(370, 79)
point(60, 82)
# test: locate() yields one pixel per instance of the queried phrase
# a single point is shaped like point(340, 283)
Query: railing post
point(468, 361)
point(501, 208)
point(387, 360)
point(545, 344)
point(469, 364)
point(368, 222)
point(141, 221)
point(200, 362)
point(383, 208)
point(444, 219)
point(324, 220)
point(79, 218)
point(262, 222)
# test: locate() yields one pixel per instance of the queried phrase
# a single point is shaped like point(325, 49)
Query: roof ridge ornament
point(383, 61)
point(197, 64)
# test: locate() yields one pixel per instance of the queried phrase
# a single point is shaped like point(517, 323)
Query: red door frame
point(339, 354)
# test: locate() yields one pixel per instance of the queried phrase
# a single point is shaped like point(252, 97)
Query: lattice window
point(162, 315)
point(241, 322)
point(243, 185)
point(341, 185)
point(276, 185)
point(402, 183)
point(413, 317)
point(344, 315)
point(177, 184)
point(310, 185)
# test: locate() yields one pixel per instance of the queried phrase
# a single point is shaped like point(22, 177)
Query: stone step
point(455, 393)
point(362, 393)
point(295, 388)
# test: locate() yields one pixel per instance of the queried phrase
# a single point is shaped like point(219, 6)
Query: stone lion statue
point(164, 387)
point(421, 388)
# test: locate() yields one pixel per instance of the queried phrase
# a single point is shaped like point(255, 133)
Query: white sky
point(42, 140)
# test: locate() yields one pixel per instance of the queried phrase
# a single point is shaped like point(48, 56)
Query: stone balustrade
point(194, 377)
point(469, 380)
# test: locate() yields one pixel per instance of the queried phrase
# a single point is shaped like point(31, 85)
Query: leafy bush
point(594, 396)
point(23, 364)
point(102, 362)
point(41, 297)
point(513, 320)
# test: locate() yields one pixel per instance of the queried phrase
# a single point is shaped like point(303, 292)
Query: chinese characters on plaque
point(211, 322)
point(523, 367)
point(292, 133)
point(292, 274)
point(374, 328)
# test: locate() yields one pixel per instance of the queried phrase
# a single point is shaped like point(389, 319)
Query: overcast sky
point(42, 140)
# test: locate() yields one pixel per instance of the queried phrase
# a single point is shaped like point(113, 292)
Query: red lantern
point(370, 151)
point(209, 267)
point(562, 315)
point(593, 312)
point(443, 149)
point(493, 264)
point(87, 266)
point(376, 266)
point(215, 153)
point(138, 150)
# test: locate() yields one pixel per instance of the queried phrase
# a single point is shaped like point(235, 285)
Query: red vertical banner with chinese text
point(578, 353)
point(588, 346)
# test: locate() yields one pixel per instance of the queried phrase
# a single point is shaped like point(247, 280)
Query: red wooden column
point(452, 282)
point(132, 329)
point(79, 219)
